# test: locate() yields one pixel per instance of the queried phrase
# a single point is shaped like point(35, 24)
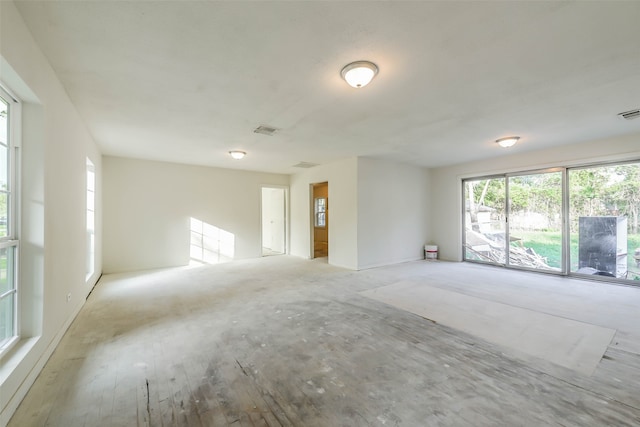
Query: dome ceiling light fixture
point(508, 141)
point(236, 154)
point(358, 74)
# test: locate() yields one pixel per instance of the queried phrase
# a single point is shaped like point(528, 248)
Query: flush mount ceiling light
point(358, 74)
point(508, 141)
point(237, 154)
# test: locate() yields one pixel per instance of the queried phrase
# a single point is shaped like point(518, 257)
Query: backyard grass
point(549, 245)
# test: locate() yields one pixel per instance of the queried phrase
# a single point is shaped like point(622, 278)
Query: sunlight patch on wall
point(210, 244)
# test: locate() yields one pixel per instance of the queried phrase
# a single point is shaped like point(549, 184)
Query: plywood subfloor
point(281, 341)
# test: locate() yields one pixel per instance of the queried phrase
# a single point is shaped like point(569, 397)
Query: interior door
point(320, 220)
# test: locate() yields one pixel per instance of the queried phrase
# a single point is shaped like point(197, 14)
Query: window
point(91, 218)
point(9, 116)
point(320, 212)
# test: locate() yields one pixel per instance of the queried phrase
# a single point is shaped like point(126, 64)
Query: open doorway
point(320, 220)
point(274, 234)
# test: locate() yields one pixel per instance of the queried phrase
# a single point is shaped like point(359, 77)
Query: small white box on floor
point(430, 252)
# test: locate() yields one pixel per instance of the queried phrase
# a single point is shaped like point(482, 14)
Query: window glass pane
point(90, 200)
point(535, 221)
point(4, 214)
point(4, 168)
point(91, 251)
point(604, 209)
point(8, 284)
point(4, 120)
point(6, 269)
point(320, 207)
point(7, 304)
point(91, 181)
point(91, 221)
point(485, 220)
point(6, 319)
point(4, 138)
point(4, 165)
point(91, 243)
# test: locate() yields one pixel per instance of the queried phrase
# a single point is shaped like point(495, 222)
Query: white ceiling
point(188, 81)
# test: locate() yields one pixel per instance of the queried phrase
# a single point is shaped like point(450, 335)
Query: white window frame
point(11, 240)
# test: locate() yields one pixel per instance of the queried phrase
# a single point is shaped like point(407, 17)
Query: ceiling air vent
point(628, 115)
point(305, 165)
point(265, 130)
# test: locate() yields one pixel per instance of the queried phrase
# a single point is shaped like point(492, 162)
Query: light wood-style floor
point(281, 341)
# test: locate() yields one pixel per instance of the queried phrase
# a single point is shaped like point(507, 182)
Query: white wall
point(53, 245)
point(342, 177)
point(446, 183)
point(148, 206)
point(378, 212)
point(393, 212)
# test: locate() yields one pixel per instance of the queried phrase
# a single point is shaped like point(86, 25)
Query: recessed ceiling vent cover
point(265, 130)
point(628, 115)
point(305, 165)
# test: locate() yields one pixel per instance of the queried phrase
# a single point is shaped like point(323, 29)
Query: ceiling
point(186, 82)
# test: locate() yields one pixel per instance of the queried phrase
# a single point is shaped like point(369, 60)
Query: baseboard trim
point(385, 264)
point(22, 390)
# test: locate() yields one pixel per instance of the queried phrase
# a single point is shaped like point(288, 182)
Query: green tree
point(484, 193)
point(623, 195)
point(585, 192)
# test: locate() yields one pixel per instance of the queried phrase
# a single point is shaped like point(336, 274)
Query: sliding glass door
point(515, 220)
point(579, 221)
point(485, 213)
point(604, 212)
point(535, 221)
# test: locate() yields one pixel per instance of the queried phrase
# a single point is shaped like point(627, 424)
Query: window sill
point(12, 359)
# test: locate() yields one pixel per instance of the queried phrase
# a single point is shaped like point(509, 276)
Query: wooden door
point(320, 220)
